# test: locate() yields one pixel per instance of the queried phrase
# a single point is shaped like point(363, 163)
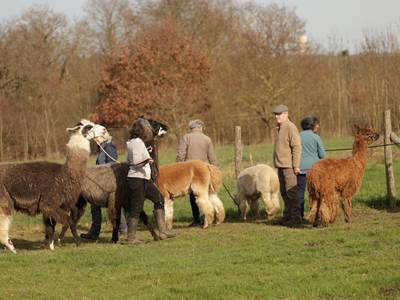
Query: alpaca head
point(367, 134)
point(159, 128)
point(81, 134)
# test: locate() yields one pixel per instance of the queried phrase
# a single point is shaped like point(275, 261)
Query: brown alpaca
point(204, 180)
point(330, 179)
point(48, 188)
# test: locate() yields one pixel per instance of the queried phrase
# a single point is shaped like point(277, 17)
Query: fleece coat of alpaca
point(203, 179)
point(330, 179)
point(106, 186)
point(253, 183)
point(48, 188)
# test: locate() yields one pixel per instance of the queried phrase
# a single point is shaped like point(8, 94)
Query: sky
point(346, 21)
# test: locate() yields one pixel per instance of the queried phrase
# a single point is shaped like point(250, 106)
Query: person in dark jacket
point(196, 145)
point(107, 154)
point(312, 151)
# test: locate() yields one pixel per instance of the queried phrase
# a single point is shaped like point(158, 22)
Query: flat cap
point(196, 124)
point(280, 109)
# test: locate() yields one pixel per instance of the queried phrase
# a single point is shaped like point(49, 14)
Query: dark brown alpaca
point(330, 179)
point(48, 188)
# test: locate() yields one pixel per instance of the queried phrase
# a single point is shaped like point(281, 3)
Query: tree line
point(174, 60)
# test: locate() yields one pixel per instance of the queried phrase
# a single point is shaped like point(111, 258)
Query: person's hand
point(296, 171)
point(151, 161)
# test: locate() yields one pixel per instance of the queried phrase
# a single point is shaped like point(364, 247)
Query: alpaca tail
point(216, 179)
point(218, 207)
point(315, 199)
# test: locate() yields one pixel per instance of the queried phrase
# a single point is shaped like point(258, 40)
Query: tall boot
point(159, 216)
point(132, 228)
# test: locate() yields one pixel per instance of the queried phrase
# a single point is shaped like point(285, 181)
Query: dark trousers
point(301, 189)
point(96, 220)
point(195, 209)
point(97, 217)
point(288, 189)
point(139, 190)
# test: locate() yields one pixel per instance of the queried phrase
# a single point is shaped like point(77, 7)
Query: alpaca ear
point(356, 128)
point(73, 129)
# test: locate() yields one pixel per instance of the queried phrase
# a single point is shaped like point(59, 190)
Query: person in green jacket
point(312, 150)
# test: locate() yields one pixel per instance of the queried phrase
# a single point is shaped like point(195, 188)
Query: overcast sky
point(347, 20)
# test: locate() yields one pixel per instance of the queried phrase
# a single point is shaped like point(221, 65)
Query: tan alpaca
point(204, 180)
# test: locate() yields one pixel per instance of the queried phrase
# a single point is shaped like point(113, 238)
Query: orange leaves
point(163, 74)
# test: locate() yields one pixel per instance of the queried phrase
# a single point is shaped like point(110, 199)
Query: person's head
point(101, 134)
point(310, 123)
point(196, 124)
point(142, 129)
point(281, 113)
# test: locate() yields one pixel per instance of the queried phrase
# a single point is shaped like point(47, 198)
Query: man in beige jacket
point(287, 153)
point(196, 145)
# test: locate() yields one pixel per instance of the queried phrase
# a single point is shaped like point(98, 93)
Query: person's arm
point(111, 151)
point(182, 150)
point(212, 158)
point(295, 145)
point(321, 148)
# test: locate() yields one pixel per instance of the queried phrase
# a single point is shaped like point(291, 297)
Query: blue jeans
point(301, 189)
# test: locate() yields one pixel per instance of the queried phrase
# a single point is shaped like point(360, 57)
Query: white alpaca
point(253, 183)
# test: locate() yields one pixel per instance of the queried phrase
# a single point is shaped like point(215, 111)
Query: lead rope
point(102, 149)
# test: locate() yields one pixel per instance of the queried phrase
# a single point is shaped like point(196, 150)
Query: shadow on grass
point(22, 244)
point(379, 203)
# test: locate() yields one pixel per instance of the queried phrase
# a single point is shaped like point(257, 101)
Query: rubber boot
point(159, 216)
point(132, 228)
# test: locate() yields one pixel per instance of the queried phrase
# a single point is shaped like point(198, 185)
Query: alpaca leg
point(60, 216)
point(144, 218)
point(169, 212)
point(243, 207)
point(271, 202)
point(5, 222)
point(324, 213)
point(50, 225)
point(347, 208)
point(75, 214)
point(254, 208)
point(313, 214)
point(218, 208)
point(206, 208)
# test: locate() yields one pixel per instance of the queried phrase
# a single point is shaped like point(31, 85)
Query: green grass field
point(234, 260)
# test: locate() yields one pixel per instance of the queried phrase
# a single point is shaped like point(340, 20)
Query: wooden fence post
point(391, 189)
point(238, 150)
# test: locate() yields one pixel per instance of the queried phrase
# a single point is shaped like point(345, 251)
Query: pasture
point(254, 260)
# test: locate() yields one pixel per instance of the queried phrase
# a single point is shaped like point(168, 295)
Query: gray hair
point(196, 124)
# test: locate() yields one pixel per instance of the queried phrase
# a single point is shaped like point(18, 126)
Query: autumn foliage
point(162, 74)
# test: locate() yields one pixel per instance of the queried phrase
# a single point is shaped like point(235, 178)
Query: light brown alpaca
point(330, 179)
point(204, 180)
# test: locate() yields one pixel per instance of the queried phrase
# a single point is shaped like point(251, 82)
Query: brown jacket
point(287, 150)
point(196, 145)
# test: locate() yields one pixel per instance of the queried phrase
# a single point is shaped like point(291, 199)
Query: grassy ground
point(234, 260)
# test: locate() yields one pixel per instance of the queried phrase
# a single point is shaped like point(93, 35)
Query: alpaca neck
point(360, 150)
point(78, 151)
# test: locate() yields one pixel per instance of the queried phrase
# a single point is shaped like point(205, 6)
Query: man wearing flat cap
point(287, 153)
point(196, 145)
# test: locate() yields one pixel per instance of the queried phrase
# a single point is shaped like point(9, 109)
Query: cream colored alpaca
point(253, 183)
